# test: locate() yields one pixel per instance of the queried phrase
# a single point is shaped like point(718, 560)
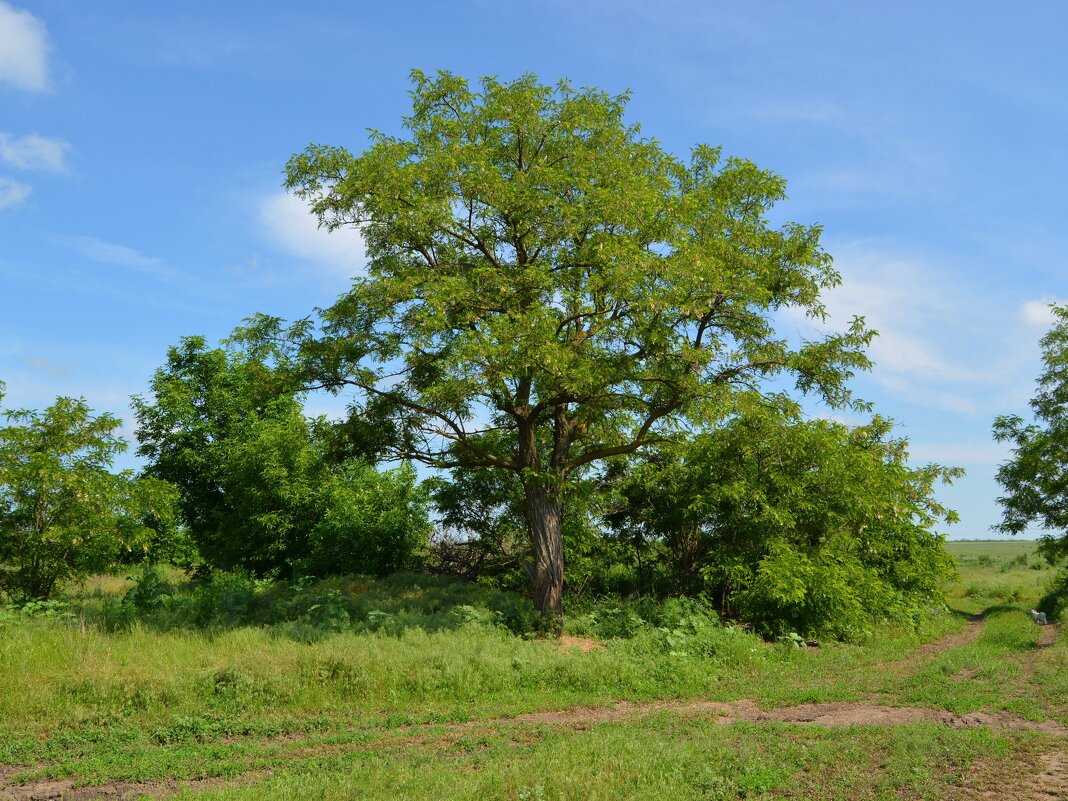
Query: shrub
point(262, 487)
point(373, 522)
point(1055, 600)
point(794, 526)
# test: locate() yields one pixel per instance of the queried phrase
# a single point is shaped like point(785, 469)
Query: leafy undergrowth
point(305, 610)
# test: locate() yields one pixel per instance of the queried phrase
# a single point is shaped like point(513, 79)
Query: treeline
point(790, 525)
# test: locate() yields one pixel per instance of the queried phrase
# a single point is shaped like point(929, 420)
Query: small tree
point(540, 271)
point(263, 487)
point(63, 513)
point(1035, 479)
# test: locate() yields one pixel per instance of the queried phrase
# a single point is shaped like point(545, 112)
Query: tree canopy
point(541, 272)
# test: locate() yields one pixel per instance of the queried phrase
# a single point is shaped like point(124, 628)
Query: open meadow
point(429, 695)
point(533, 401)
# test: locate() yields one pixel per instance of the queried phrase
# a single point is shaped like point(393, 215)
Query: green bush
point(372, 522)
point(260, 486)
point(792, 525)
point(1055, 600)
point(63, 513)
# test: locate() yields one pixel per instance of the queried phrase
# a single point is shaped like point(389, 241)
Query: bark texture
point(546, 519)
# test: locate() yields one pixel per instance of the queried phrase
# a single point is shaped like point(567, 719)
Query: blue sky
point(142, 147)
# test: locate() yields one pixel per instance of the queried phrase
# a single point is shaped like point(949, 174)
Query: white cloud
point(23, 49)
point(34, 152)
point(12, 192)
point(45, 366)
point(910, 306)
point(960, 453)
point(119, 255)
point(288, 222)
point(1037, 314)
point(942, 343)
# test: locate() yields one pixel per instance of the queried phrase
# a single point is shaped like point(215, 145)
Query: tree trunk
point(546, 516)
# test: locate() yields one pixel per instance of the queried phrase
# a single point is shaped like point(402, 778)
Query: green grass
point(661, 758)
point(406, 712)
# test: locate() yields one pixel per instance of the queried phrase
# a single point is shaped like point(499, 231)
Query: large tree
point(540, 270)
point(1035, 479)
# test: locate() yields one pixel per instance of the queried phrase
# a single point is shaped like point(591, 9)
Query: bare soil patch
point(584, 644)
point(835, 715)
point(65, 790)
point(828, 715)
point(969, 634)
point(1034, 778)
point(1047, 637)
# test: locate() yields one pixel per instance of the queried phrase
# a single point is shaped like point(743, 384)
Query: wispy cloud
point(80, 281)
point(33, 152)
point(1037, 313)
point(12, 193)
point(983, 452)
point(199, 49)
point(288, 223)
point(178, 41)
point(47, 367)
point(122, 256)
point(119, 255)
point(941, 344)
point(24, 48)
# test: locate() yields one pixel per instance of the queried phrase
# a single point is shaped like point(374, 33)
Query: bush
point(1055, 600)
point(828, 593)
point(798, 526)
point(373, 522)
point(148, 590)
point(262, 487)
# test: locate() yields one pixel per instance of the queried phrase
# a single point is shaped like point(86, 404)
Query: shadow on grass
point(309, 611)
point(980, 616)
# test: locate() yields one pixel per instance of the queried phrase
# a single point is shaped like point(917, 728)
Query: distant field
point(998, 571)
point(996, 549)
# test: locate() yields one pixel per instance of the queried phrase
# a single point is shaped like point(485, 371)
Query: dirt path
point(966, 636)
point(1029, 661)
point(65, 790)
point(828, 715)
point(969, 635)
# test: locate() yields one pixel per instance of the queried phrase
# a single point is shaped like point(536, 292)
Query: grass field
point(973, 704)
